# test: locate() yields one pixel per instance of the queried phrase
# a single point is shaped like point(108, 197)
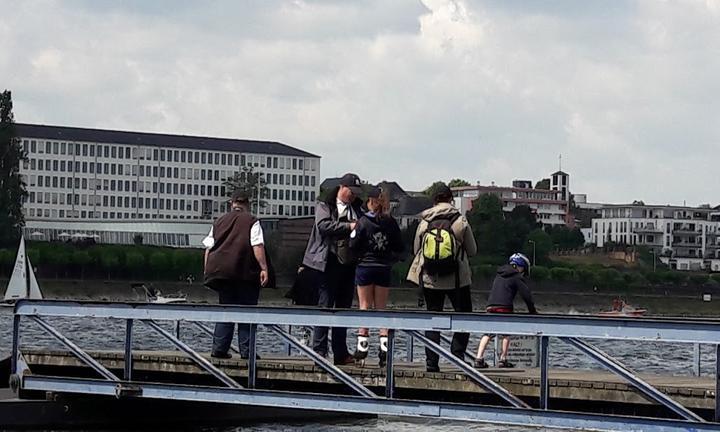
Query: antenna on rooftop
point(560, 162)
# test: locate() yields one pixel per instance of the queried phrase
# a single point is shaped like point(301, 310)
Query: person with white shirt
point(236, 267)
point(329, 255)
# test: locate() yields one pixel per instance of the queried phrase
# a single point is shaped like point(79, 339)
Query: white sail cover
point(17, 288)
point(35, 293)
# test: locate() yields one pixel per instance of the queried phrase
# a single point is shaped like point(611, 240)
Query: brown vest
point(232, 258)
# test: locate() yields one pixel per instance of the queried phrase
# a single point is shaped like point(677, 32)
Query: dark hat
point(442, 191)
point(240, 195)
point(374, 192)
point(353, 182)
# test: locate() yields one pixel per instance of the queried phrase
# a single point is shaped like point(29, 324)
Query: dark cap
point(374, 192)
point(240, 195)
point(442, 191)
point(353, 182)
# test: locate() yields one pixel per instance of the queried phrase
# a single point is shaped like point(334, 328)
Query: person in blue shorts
point(378, 245)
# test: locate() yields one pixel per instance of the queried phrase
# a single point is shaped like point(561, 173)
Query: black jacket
point(508, 282)
point(377, 241)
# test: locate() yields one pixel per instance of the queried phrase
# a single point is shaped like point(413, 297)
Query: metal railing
point(572, 330)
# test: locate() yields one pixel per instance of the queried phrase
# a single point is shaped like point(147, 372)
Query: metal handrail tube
point(321, 361)
point(477, 377)
point(619, 369)
point(649, 329)
point(82, 355)
point(200, 360)
point(381, 406)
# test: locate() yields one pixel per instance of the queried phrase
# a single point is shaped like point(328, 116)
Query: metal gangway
point(572, 330)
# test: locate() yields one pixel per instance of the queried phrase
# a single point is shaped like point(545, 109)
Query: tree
point(81, 259)
point(543, 184)
point(542, 245)
point(488, 224)
point(134, 261)
point(12, 187)
point(458, 183)
point(109, 261)
point(160, 263)
point(433, 188)
point(252, 183)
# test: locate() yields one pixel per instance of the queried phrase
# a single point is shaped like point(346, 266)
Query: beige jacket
point(466, 242)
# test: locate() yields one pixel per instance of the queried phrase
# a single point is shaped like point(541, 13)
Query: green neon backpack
point(439, 247)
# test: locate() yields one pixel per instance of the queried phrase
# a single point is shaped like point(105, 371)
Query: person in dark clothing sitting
point(509, 281)
point(377, 242)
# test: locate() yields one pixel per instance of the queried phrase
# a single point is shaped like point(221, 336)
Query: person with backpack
point(509, 281)
point(378, 244)
point(443, 244)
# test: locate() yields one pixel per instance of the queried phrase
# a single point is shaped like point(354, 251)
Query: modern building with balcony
point(685, 238)
point(89, 180)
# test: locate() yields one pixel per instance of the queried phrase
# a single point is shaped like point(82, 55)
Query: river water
point(94, 334)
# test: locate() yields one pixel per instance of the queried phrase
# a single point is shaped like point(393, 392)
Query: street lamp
point(532, 242)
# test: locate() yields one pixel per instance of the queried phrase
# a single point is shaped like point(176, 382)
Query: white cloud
point(396, 90)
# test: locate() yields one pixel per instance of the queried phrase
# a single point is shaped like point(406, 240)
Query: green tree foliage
point(543, 245)
point(699, 279)
point(81, 259)
point(586, 276)
point(433, 188)
point(12, 188)
point(458, 183)
point(489, 226)
point(565, 238)
point(610, 278)
point(561, 274)
point(6, 262)
point(539, 273)
point(160, 263)
point(110, 262)
point(134, 261)
point(519, 223)
point(252, 183)
point(543, 184)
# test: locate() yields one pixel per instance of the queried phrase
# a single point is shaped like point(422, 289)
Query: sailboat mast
point(27, 271)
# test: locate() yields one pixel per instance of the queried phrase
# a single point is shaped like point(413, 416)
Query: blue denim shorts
point(373, 276)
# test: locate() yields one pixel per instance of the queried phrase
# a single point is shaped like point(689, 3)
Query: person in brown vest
point(235, 267)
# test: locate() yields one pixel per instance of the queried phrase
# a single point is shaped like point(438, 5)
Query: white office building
point(107, 176)
point(685, 238)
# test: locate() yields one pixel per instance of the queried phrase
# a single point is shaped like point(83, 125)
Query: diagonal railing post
point(717, 383)
point(696, 360)
point(200, 360)
point(479, 378)
point(644, 387)
point(321, 361)
point(82, 355)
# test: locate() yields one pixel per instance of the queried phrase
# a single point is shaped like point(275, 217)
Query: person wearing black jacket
point(329, 258)
point(377, 242)
point(509, 281)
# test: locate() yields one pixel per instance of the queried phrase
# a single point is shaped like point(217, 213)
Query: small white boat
point(23, 284)
point(153, 295)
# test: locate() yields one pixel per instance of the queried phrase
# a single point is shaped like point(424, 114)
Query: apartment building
point(107, 176)
point(685, 238)
point(548, 205)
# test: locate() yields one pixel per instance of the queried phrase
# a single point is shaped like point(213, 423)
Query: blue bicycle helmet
point(519, 260)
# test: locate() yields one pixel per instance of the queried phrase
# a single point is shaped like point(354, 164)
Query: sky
point(411, 91)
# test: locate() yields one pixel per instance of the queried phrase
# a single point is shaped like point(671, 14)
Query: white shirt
point(256, 236)
point(341, 207)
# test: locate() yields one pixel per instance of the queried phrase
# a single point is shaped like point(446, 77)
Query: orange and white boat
point(622, 309)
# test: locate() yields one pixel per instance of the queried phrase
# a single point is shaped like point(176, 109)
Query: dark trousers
point(336, 291)
point(461, 302)
point(235, 293)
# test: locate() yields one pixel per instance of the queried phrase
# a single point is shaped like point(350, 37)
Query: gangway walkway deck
point(529, 397)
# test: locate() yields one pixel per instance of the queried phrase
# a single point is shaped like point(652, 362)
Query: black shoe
point(382, 358)
point(346, 360)
point(218, 355)
point(360, 355)
point(433, 368)
point(246, 356)
point(480, 364)
point(505, 364)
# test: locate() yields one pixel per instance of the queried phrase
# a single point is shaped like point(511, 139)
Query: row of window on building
point(156, 204)
point(76, 183)
point(168, 155)
point(161, 172)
